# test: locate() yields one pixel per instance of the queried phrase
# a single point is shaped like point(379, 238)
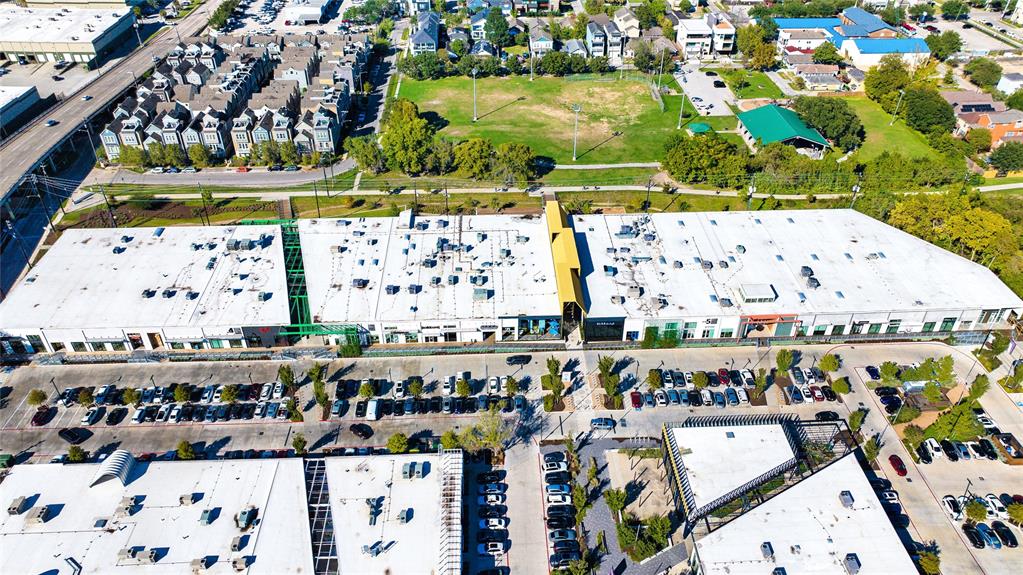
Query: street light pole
point(575, 137)
point(895, 114)
point(474, 115)
point(856, 190)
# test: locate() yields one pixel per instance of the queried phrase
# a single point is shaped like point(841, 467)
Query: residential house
point(596, 40)
point(477, 22)
point(772, 123)
point(483, 48)
point(507, 7)
point(1005, 126)
point(965, 102)
point(723, 32)
point(856, 77)
point(516, 27)
point(696, 38)
point(536, 6)
point(215, 132)
point(867, 52)
point(627, 22)
point(318, 130)
point(540, 41)
point(820, 77)
point(131, 116)
point(1010, 81)
point(298, 64)
point(172, 119)
point(418, 6)
point(575, 47)
point(427, 32)
point(278, 94)
point(802, 39)
point(793, 57)
point(616, 41)
point(241, 132)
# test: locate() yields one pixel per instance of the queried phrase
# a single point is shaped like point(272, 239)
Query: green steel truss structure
point(298, 298)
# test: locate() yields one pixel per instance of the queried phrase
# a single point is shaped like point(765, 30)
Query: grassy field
point(429, 203)
point(756, 85)
point(136, 213)
point(619, 121)
point(632, 201)
point(880, 136)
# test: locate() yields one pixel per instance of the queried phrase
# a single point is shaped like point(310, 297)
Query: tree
point(1008, 157)
point(289, 153)
point(459, 47)
point(921, 12)
point(299, 444)
point(872, 448)
point(829, 363)
point(643, 56)
point(474, 157)
point(856, 420)
point(366, 390)
point(185, 450)
point(980, 139)
point(983, 72)
point(463, 388)
point(131, 396)
point(979, 387)
point(367, 154)
point(511, 385)
point(954, 10)
point(441, 158)
point(449, 440)
point(975, 511)
point(579, 28)
point(199, 155)
point(286, 376)
point(929, 561)
point(406, 138)
point(397, 443)
point(75, 454)
point(833, 118)
point(827, 53)
point(554, 63)
point(36, 397)
point(133, 156)
point(495, 29)
point(913, 434)
point(181, 393)
point(707, 158)
point(653, 379)
point(944, 45)
point(748, 38)
point(490, 432)
point(85, 396)
point(425, 66)
point(1016, 513)
point(700, 379)
point(882, 82)
point(841, 386)
point(764, 57)
point(514, 162)
point(889, 372)
point(415, 387)
point(230, 394)
point(783, 359)
point(615, 499)
point(925, 110)
point(598, 65)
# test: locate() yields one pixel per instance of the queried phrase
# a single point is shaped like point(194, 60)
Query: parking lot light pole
point(474, 115)
point(575, 138)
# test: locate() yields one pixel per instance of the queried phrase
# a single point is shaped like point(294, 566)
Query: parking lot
point(973, 38)
point(270, 17)
point(714, 100)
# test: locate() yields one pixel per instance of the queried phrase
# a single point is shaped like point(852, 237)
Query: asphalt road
point(24, 152)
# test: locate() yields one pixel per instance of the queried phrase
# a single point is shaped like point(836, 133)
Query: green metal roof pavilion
point(772, 123)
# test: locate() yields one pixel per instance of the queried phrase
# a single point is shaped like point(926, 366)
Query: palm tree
point(615, 499)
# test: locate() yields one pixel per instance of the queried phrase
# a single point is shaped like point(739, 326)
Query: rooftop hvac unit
point(723, 264)
point(199, 565)
point(677, 264)
point(119, 249)
point(846, 497)
point(779, 571)
point(806, 271)
point(610, 271)
point(740, 248)
point(505, 253)
point(768, 550)
point(421, 226)
point(480, 294)
point(245, 518)
point(240, 563)
point(707, 264)
point(238, 543)
point(210, 264)
point(37, 515)
point(635, 291)
point(521, 239)
point(725, 302)
point(480, 236)
point(813, 283)
point(264, 295)
point(649, 237)
point(852, 564)
point(191, 295)
point(148, 293)
point(435, 281)
point(206, 517)
point(17, 506)
point(187, 499)
point(169, 293)
point(392, 290)
point(452, 279)
point(618, 299)
point(196, 247)
point(429, 263)
point(233, 245)
point(137, 555)
point(414, 288)
point(360, 283)
point(341, 249)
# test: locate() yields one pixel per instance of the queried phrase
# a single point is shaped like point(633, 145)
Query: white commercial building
point(373, 514)
point(432, 279)
point(145, 288)
point(70, 34)
point(738, 275)
point(830, 523)
point(15, 101)
point(298, 12)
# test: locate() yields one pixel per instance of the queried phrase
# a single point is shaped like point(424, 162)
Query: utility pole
point(856, 190)
point(205, 209)
point(46, 209)
point(681, 110)
point(137, 35)
point(14, 234)
point(113, 218)
point(752, 190)
point(660, 71)
point(531, 67)
point(895, 114)
point(316, 195)
point(474, 115)
point(575, 138)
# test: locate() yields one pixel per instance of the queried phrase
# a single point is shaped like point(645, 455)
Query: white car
point(139, 416)
point(164, 413)
point(807, 394)
point(810, 379)
point(986, 422)
point(743, 396)
point(449, 385)
point(400, 388)
point(490, 499)
point(494, 384)
point(494, 523)
point(266, 391)
point(689, 378)
point(278, 390)
point(218, 394)
point(86, 98)
point(934, 447)
point(996, 506)
point(90, 416)
point(260, 410)
point(175, 413)
point(558, 499)
point(748, 378)
point(890, 497)
point(661, 397)
point(952, 507)
point(555, 466)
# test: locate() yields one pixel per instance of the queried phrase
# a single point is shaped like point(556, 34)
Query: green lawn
point(747, 84)
point(619, 121)
point(632, 201)
point(880, 136)
point(429, 203)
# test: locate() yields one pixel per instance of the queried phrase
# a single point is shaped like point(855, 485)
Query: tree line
point(409, 144)
point(220, 16)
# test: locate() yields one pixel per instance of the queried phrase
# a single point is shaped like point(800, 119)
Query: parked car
point(989, 536)
point(873, 373)
point(559, 522)
point(556, 489)
point(826, 416)
point(973, 535)
point(637, 399)
point(558, 499)
point(605, 423)
point(73, 435)
point(116, 415)
point(1005, 534)
point(661, 397)
point(949, 450)
point(996, 506)
point(897, 465)
point(562, 535)
point(952, 507)
point(91, 416)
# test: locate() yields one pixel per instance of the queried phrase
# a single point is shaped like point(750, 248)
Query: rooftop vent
point(767, 550)
point(725, 302)
point(806, 271)
point(618, 299)
point(813, 283)
point(246, 517)
point(846, 497)
point(852, 564)
point(392, 289)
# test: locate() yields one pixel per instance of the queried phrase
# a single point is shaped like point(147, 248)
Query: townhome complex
point(231, 94)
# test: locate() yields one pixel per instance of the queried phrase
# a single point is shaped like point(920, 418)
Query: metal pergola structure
point(298, 298)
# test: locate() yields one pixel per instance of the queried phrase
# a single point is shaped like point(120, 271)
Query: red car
point(242, 169)
point(898, 465)
point(723, 376)
point(816, 392)
point(637, 399)
point(41, 417)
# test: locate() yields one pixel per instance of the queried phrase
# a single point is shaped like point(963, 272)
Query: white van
point(372, 410)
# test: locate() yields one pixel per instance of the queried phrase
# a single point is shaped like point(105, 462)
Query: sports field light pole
point(474, 115)
point(897, 104)
point(575, 138)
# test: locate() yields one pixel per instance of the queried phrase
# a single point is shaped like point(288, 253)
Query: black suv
point(72, 435)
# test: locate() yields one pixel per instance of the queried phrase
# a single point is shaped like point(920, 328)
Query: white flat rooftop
point(72, 25)
point(9, 94)
point(82, 283)
point(279, 543)
point(862, 265)
point(811, 531)
point(411, 547)
point(387, 255)
point(718, 460)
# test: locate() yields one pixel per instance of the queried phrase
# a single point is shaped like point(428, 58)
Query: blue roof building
point(867, 52)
